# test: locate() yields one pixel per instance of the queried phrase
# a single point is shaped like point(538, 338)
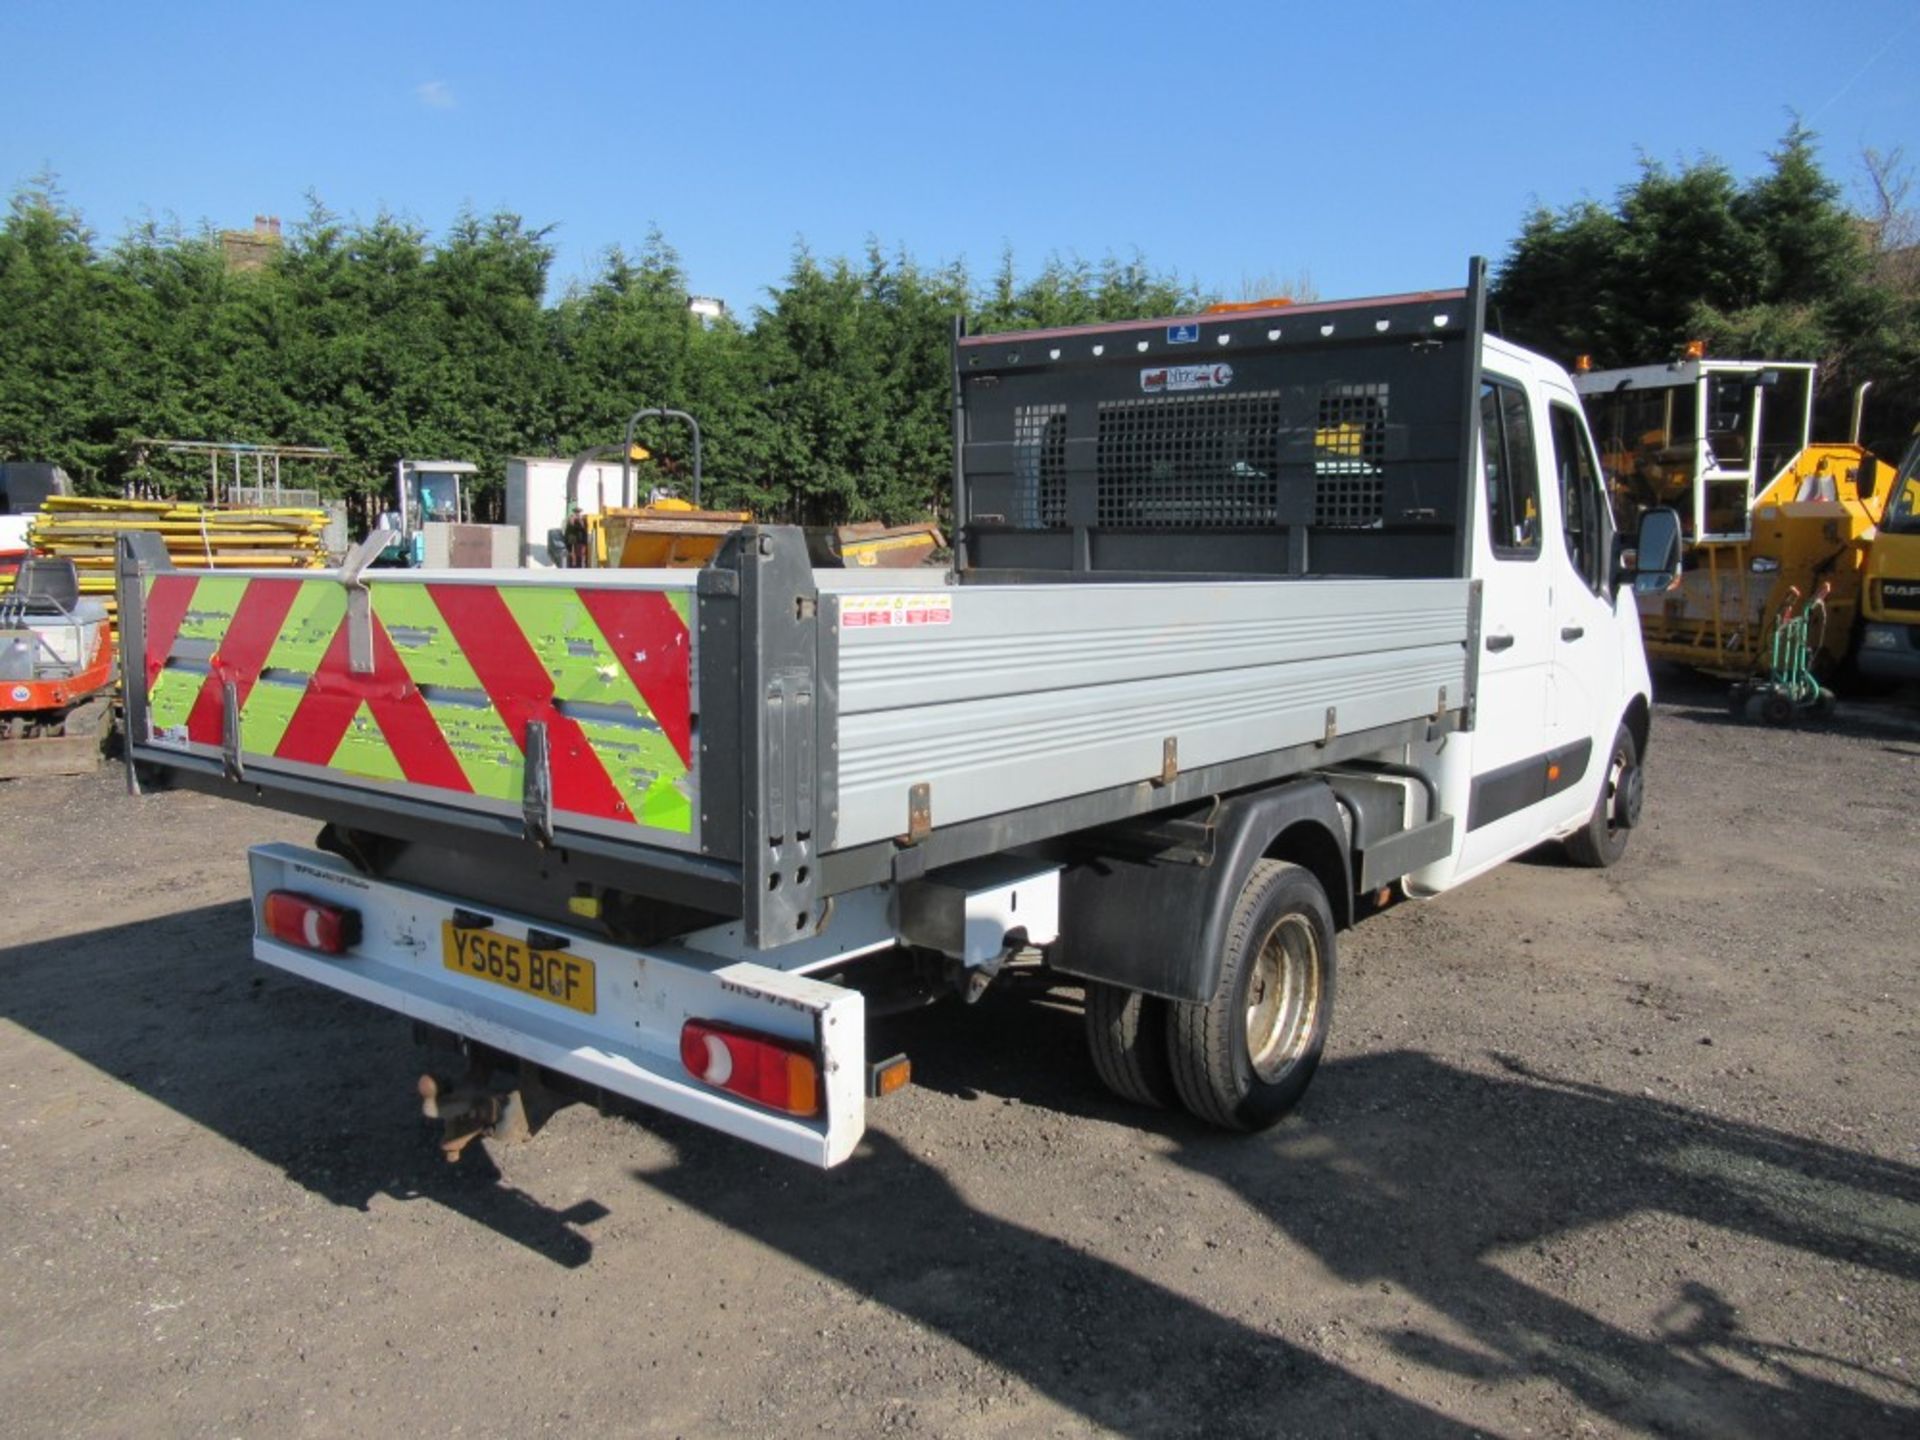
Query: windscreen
point(439, 496)
point(1903, 501)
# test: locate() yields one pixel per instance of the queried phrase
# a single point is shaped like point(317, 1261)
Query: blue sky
point(1372, 147)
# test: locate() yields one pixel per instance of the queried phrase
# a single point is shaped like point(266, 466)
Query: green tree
point(1775, 268)
point(380, 342)
point(67, 338)
point(853, 361)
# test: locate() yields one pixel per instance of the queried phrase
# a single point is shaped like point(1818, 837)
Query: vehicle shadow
point(1120, 1350)
point(1705, 700)
point(1405, 1172)
point(307, 1080)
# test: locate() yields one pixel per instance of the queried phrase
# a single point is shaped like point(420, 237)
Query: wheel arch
point(1312, 846)
point(1155, 924)
point(1639, 723)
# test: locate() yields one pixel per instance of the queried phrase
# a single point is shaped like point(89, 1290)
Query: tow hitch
point(476, 1108)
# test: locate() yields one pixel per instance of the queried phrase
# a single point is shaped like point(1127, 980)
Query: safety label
point(866, 611)
point(1163, 378)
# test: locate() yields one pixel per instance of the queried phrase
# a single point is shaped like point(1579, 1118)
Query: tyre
point(1127, 1034)
point(1603, 839)
point(1243, 1058)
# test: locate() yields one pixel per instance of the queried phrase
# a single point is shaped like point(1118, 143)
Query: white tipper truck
point(1254, 619)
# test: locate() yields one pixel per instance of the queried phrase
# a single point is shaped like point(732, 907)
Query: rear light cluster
point(783, 1075)
point(310, 923)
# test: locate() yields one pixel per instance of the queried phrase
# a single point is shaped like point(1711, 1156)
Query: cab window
point(1583, 512)
point(1511, 473)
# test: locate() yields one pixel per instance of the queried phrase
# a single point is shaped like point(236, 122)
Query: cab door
point(1510, 744)
point(1588, 670)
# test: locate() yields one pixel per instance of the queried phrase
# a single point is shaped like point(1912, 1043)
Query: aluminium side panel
point(996, 698)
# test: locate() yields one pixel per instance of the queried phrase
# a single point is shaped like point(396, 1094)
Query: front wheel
point(1603, 839)
point(1243, 1058)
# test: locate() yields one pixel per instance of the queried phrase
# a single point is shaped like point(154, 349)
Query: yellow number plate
point(547, 974)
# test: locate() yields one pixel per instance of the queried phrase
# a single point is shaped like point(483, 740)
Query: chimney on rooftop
point(251, 249)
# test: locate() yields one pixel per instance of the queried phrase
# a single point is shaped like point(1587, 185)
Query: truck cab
point(1562, 715)
point(1890, 636)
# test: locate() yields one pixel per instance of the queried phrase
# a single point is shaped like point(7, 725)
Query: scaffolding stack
point(198, 537)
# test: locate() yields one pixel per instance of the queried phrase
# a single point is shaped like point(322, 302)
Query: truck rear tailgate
point(458, 665)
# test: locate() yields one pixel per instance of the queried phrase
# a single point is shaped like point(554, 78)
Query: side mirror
point(1656, 553)
point(1867, 478)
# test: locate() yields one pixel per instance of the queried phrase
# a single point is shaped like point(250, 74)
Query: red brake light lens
point(780, 1074)
point(309, 923)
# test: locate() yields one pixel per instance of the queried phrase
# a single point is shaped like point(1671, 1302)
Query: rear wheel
point(1603, 839)
point(1243, 1058)
point(1127, 1034)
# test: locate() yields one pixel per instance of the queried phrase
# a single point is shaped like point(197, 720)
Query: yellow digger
point(1769, 515)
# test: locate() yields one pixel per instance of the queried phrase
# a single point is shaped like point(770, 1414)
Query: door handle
point(1499, 642)
point(1572, 632)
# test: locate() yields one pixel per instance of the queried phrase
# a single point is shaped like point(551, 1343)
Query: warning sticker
point(1162, 378)
point(861, 612)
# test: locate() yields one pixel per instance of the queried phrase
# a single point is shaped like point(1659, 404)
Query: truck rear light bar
point(796, 1045)
point(779, 1074)
point(309, 923)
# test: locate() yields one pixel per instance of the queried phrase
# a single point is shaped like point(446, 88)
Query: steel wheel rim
point(1616, 771)
point(1283, 993)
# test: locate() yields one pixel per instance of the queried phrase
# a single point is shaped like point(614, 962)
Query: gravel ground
point(1592, 1154)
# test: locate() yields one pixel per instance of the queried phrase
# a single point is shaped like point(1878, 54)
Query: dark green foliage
point(373, 340)
point(830, 403)
point(64, 349)
point(1776, 268)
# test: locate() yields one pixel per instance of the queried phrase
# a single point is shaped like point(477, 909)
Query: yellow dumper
point(667, 534)
point(673, 534)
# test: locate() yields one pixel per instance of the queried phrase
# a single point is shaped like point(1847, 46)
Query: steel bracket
point(909, 863)
point(919, 812)
point(360, 601)
point(230, 760)
point(536, 792)
point(1169, 761)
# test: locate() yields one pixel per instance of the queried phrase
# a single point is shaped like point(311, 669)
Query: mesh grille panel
point(1189, 460)
point(1349, 448)
point(1040, 467)
point(1348, 502)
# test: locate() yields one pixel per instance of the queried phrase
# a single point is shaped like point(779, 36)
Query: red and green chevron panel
point(458, 673)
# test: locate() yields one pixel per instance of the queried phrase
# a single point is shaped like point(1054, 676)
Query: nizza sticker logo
point(1164, 378)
